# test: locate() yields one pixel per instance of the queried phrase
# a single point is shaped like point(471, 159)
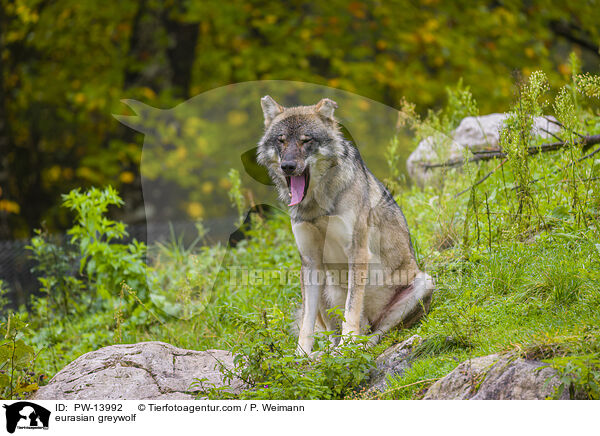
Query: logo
point(26, 415)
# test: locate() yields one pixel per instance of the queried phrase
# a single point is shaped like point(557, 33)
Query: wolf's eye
point(306, 139)
point(281, 139)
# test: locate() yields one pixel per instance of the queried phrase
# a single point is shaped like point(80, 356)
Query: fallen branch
point(484, 178)
point(586, 142)
point(553, 121)
point(587, 156)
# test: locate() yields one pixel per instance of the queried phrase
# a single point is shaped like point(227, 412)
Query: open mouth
point(298, 186)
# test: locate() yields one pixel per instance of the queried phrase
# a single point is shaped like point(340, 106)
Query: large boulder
point(147, 370)
point(473, 134)
point(496, 377)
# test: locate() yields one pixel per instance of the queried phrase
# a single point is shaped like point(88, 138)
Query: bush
point(270, 369)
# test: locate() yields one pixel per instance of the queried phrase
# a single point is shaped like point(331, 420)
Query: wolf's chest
point(326, 240)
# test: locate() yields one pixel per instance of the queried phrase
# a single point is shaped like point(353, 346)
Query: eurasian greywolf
point(352, 237)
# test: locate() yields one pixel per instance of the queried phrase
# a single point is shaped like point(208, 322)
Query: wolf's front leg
point(357, 280)
point(311, 293)
point(310, 244)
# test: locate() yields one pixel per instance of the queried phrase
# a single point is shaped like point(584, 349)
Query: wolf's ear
point(270, 108)
point(326, 107)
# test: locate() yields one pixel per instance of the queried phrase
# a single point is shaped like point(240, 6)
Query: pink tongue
point(297, 188)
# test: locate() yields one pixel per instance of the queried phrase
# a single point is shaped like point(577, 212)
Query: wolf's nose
point(288, 166)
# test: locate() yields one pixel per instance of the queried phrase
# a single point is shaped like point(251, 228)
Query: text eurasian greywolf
point(352, 237)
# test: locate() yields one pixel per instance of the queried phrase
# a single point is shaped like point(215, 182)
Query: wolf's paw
point(373, 339)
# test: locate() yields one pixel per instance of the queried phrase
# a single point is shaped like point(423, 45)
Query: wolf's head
point(299, 143)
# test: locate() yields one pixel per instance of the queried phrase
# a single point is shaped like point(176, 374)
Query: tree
point(66, 64)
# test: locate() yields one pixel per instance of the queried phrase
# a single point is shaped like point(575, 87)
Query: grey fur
point(347, 225)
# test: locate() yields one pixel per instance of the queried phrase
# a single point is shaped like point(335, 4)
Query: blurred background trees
point(65, 65)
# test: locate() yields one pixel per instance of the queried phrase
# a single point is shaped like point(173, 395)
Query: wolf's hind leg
point(406, 307)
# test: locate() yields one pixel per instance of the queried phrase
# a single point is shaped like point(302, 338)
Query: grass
point(538, 302)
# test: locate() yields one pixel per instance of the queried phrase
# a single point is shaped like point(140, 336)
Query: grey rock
point(496, 377)
point(147, 370)
point(394, 361)
point(473, 134)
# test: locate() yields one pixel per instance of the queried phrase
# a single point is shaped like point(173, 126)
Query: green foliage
point(517, 137)
point(235, 195)
point(82, 280)
point(55, 268)
point(392, 157)
point(17, 359)
point(578, 374)
point(270, 370)
point(589, 85)
point(460, 103)
point(575, 358)
point(439, 344)
point(66, 66)
point(105, 262)
point(4, 301)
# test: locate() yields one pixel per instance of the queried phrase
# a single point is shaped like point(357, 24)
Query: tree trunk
point(6, 140)
point(181, 50)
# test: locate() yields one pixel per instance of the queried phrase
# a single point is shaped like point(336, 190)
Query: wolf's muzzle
point(288, 167)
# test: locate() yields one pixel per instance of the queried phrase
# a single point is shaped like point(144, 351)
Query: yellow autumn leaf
point(305, 34)
point(79, 98)
point(224, 183)
point(564, 69)
point(428, 37)
point(127, 177)
point(381, 44)
point(529, 52)
point(9, 206)
point(53, 174)
point(195, 209)
point(207, 187)
point(148, 93)
point(181, 153)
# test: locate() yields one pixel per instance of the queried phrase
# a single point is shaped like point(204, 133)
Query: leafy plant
point(56, 269)
point(578, 375)
point(235, 194)
point(516, 138)
point(267, 365)
point(17, 359)
point(105, 262)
